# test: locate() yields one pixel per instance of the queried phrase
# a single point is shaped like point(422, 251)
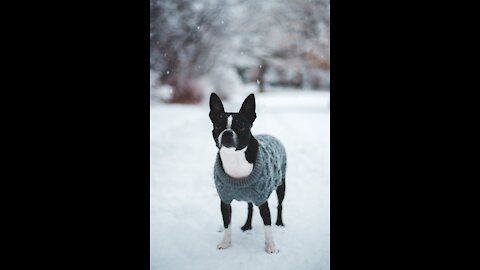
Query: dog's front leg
point(227, 218)
point(265, 213)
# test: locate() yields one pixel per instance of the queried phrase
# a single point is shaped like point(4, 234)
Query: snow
point(185, 219)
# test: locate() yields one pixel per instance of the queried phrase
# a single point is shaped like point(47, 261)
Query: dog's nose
point(227, 134)
point(227, 138)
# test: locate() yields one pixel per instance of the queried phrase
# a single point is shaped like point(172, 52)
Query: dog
point(247, 168)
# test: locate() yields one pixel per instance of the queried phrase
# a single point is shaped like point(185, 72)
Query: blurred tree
point(293, 37)
point(183, 35)
point(190, 40)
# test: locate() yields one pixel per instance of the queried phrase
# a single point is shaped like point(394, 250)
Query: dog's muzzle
point(226, 138)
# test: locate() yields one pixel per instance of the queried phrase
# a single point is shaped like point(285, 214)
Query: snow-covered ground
point(185, 219)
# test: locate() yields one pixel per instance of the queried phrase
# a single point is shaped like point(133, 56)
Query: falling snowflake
point(258, 82)
point(168, 72)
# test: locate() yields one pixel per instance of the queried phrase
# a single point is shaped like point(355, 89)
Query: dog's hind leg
point(248, 223)
point(280, 196)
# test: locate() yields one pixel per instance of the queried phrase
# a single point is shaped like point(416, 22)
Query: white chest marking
point(235, 163)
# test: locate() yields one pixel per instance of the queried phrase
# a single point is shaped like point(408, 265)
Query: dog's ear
point(216, 105)
point(248, 108)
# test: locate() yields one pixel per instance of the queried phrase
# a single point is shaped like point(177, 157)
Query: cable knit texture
point(268, 171)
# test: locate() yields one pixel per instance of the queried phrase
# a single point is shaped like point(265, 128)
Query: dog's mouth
point(226, 142)
point(228, 145)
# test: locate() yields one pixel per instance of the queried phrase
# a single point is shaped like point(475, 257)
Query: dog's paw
point(246, 227)
point(279, 223)
point(224, 244)
point(270, 248)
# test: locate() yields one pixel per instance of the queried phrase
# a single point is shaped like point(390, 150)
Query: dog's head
point(232, 130)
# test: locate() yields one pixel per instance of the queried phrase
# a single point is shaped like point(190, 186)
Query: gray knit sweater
point(266, 176)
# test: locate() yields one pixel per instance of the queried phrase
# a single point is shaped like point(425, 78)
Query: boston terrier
point(247, 168)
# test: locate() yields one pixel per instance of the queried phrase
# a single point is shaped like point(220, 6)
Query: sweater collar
point(244, 181)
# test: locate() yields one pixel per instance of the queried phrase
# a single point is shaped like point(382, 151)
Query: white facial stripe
point(229, 127)
point(229, 122)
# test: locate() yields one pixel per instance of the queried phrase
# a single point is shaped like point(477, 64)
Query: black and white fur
point(238, 152)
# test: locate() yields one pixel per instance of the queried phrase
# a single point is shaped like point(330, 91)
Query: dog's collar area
point(244, 181)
